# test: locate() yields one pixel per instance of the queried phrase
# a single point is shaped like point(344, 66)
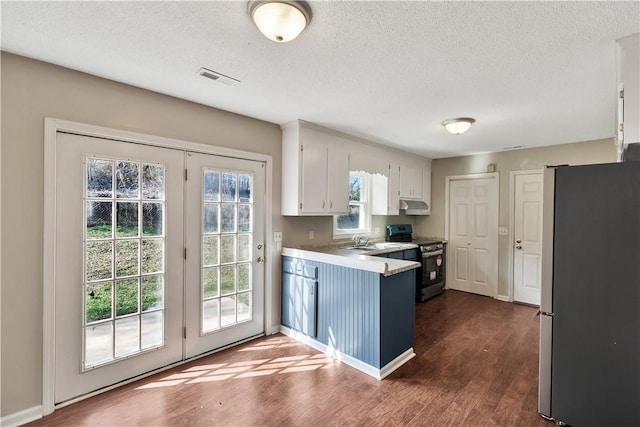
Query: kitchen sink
point(376, 246)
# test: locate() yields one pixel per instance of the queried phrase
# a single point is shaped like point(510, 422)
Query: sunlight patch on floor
point(247, 368)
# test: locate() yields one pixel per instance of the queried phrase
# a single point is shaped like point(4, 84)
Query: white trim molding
point(22, 417)
point(376, 373)
point(51, 128)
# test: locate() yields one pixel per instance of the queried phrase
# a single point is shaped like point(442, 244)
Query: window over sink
point(358, 219)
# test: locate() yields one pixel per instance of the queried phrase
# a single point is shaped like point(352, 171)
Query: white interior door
point(225, 251)
point(527, 235)
point(473, 235)
point(119, 262)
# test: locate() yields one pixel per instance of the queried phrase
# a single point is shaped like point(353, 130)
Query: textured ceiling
point(530, 73)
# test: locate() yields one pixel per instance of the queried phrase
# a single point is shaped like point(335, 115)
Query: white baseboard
point(349, 360)
point(504, 298)
point(22, 417)
point(397, 362)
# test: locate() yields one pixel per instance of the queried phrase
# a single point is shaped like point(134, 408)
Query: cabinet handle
point(330, 204)
point(323, 204)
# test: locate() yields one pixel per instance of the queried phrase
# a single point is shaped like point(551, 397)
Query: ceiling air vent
point(220, 78)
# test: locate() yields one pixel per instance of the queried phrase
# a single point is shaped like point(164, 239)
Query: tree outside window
point(357, 219)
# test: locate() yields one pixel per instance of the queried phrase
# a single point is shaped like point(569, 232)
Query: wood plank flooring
point(476, 365)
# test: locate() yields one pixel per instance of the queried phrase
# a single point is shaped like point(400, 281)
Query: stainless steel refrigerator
point(590, 300)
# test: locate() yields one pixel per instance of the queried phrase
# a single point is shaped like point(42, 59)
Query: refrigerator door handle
point(544, 313)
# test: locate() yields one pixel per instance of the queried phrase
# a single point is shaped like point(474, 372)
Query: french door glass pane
point(127, 219)
point(124, 316)
point(227, 223)
point(99, 221)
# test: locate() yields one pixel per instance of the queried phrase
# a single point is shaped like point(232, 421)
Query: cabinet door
point(309, 294)
point(426, 184)
point(410, 255)
point(288, 304)
point(379, 194)
point(394, 189)
point(338, 178)
point(417, 182)
point(410, 182)
point(314, 154)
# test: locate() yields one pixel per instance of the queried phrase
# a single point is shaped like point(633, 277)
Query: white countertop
point(361, 259)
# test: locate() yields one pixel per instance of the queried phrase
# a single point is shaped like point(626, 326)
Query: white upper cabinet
point(426, 183)
point(315, 172)
point(338, 182)
point(410, 180)
point(393, 207)
point(379, 194)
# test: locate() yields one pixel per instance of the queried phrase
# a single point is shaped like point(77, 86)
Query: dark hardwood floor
point(476, 365)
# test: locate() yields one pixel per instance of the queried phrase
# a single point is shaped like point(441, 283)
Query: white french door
point(125, 222)
point(225, 251)
point(119, 264)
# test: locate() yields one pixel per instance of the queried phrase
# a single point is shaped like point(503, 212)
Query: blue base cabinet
point(299, 296)
point(360, 313)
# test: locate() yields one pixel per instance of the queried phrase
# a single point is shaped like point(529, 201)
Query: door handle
point(259, 247)
point(518, 241)
point(518, 246)
point(260, 260)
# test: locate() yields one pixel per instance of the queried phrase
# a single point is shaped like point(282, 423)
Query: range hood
point(415, 207)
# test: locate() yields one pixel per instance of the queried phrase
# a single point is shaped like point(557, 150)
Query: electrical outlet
point(311, 235)
point(502, 231)
point(277, 236)
point(377, 231)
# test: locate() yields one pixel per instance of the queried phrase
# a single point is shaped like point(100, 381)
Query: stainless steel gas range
point(431, 276)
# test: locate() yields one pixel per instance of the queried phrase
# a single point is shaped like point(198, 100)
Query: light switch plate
point(277, 236)
point(503, 231)
point(311, 235)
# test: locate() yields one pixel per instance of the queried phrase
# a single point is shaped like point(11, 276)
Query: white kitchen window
point(358, 220)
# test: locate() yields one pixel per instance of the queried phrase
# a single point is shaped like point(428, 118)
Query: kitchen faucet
point(359, 241)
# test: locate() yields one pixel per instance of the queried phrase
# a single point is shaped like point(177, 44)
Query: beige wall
point(33, 90)
point(600, 151)
point(297, 229)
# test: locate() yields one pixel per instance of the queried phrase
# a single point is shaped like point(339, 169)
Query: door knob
point(518, 241)
point(518, 246)
point(260, 260)
point(259, 247)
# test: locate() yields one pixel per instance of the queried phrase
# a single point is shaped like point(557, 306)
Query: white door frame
point(52, 126)
point(472, 176)
point(512, 222)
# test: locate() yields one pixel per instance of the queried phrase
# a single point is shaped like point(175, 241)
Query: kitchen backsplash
point(298, 230)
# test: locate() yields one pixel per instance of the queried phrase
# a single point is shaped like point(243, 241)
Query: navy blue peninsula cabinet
point(364, 318)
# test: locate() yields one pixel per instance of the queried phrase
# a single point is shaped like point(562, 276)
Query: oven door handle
point(430, 254)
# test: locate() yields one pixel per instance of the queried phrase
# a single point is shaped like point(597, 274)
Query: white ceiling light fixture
point(458, 125)
point(280, 20)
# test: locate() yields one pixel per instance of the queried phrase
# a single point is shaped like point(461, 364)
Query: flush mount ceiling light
point(458, 125)
point(280, 21)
